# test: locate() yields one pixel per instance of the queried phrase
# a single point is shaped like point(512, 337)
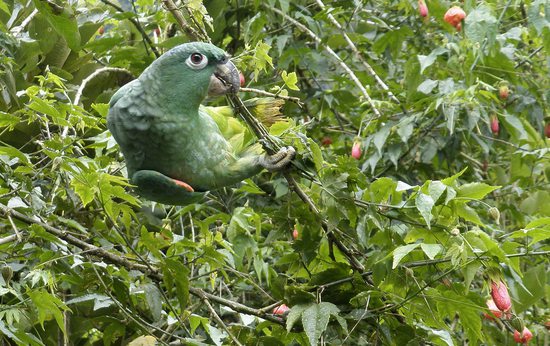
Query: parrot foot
point(184, 185)
point(278, 160)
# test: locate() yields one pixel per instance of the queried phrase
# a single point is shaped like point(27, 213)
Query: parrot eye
point(197, 61)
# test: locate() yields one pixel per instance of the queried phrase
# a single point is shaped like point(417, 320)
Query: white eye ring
point(197, 61)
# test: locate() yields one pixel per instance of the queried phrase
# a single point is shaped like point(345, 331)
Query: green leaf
point(428, 60)
point(290, 80)
point(481, 25)
point(8, 120)
point(48, 306)
point(63, 21)
point(400, 252)
point(316, 154)
point(315, 320)
point(475, 190)
point(431, 250)
point(424, 203)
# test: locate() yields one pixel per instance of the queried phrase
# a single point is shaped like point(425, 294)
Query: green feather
point(165, 134)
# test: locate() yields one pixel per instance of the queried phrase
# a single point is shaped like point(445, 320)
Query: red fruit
point(422, 8)
point(356, 150)
point(101, 30)
point(503, 92)
point(500, 295)
point(241, 79)
point(494, 311)
point(295, 234)
point(495, 126)
point(524, 337)
point(281, 309)
point(454, 16)
point(326, 141)
point(547, 130)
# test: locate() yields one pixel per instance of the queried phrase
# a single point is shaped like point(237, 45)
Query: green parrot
point(173, 146)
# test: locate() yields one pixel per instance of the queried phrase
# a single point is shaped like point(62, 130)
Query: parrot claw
point(184, 185)
point(278, 160)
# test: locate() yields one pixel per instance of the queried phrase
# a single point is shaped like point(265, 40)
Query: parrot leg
point(278, 160)
point(156, 186)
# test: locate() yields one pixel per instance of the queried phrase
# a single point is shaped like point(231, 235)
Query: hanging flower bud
point(495, 214)
point(356, 150)
point(503, 92)
point(422, 8)
point(241, 79)
point(494, 311)
point(495, 125)
point(524, 337)
point(500, 295)
point(295, 233)
point(454, 16)
point(547, 130)
point(281, 309)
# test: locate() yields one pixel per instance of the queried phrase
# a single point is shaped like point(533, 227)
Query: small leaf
point(290, 80)
point(424, 204)
point(400, 252)
point(431, 250)
point(475, 190)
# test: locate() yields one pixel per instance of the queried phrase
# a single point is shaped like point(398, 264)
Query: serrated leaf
point(315, 320)
point(290, 80)
point(48, 305)
point(400, 252)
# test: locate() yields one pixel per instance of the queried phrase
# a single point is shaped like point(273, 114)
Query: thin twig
point(360, 57)
point(332, 53)
point(219, 320)
point(135, 22)
point(528, 57)
point(9, 239)
point(189, 31)
point(266, 93)
point(152, 273)
point(17, 30)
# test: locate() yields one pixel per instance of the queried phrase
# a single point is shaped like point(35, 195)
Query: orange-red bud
point(524, 337)
point(281, 309)
point(454, 16)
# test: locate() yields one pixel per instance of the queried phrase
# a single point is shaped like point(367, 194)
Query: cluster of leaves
point(394, 247)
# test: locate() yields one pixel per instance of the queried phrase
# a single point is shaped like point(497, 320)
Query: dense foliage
point(445, 195)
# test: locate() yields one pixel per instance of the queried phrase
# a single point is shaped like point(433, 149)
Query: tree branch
point(154, 274)
point(360, 56)
point(332, 53)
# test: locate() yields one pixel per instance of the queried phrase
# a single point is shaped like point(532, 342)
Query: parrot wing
point(128, 113)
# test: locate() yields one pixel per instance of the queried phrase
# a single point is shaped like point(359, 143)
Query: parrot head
point(195, 70)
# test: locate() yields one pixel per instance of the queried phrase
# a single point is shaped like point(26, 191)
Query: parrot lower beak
point(225, 80)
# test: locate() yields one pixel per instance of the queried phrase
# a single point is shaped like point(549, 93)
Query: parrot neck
point(174, 94)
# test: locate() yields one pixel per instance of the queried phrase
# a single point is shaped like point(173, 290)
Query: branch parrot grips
point(174, 149)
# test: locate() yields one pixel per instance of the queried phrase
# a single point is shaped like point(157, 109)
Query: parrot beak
point(225, 80)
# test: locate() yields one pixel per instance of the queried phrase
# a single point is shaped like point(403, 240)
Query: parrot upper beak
point(224, 80)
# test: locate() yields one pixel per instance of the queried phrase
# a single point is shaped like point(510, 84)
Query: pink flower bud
point(500, 295)
point(356, 150)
